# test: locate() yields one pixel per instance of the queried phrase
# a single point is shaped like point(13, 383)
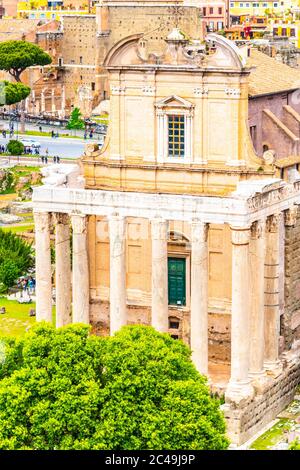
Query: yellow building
point(176, 222)
point(289, 30)
point(242, 8)
point(49, 10)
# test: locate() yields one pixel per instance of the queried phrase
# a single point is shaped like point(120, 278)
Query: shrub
point(66, 389)
point(15, 147)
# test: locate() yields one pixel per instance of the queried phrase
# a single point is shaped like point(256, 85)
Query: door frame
point(187, 257)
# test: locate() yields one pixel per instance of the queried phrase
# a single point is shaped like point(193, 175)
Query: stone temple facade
point(176, 222)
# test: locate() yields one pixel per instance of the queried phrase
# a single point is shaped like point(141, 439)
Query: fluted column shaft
point(80, 270)
point(159, 231)
point(239, 385)
point(257, 289)
point(272, 314)
point(118, 314)
point(62, 270)
point(199, 296)
point(43, 267)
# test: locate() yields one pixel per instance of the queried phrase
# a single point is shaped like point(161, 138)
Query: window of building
point(220, 25)
point(247, 5)
point(283, 33)
point(173, 324)
point(211, 10)
point(175, 336)
point(293, 32)
point(265, 5)
point(93, 86)
point(174, 129)
point(241, 5)
point(60, 61)
point(220, 10)
point(176, 136)
point(80, 59)
point(275, 4)
point(231, 5)
point(204, 11)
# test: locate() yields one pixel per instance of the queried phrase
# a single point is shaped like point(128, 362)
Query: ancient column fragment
point(43, 267)
point(257, 289)
point(62, 270)
point(239, 386)
point(80, 270)
point(272, 314)
point(199, 296)
point(118, 315)
point(159, 231)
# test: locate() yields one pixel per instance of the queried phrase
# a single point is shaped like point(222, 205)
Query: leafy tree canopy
point(66, 389)
point(16, 56)
point(15, 258)
point(75, 121)
point(11, 93)
point(15, 147)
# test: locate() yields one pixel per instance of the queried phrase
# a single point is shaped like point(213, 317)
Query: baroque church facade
point(177, 223)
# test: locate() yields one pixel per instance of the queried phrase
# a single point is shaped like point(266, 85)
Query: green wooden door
point(176, 281)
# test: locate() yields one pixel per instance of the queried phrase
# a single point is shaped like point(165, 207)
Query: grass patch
point(18, 228)
point(16, 320)
point(48, 134)
point(271, 437)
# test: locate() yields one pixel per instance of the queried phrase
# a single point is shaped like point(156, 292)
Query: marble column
point(257, 299)
point(43, 267)
point(199, 296)
point(239, 386)
point(80, 270)
point(159, 232)
point(62, 270)
point(117, 291)
point(272, 314)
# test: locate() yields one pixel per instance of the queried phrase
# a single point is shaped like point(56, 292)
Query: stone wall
point(179, 322)
point(290, 322)
point(248, 418)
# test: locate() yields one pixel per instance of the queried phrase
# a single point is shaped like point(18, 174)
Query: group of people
point(4, 133)
point(86, 134)
point(27, 284)
point(31, 151)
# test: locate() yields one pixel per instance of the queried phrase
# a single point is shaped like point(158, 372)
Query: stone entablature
point(237, 210)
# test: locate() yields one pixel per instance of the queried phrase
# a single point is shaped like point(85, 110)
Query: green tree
point(17, 56)
point(66, 389)
point(16, 257)
point(9, 272)
point(11, 93)
point(75, 121)
point(15, 147)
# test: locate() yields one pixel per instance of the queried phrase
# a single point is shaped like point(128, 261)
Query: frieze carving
point(290, 216)
point(79, 223)
point(117, 90)
point(240, 235)
point(258, 229)
point(41, 221)
point(262, 200)
point(273, 223)
point(159, 229)
point(200, 91)
point(233, 92)
point(199, 231)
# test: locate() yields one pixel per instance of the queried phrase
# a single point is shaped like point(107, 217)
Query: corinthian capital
point(199, 231)
point(290, 216)
point(273, 223)
point(240, 235)
point(41, 221)
point(79, 223)
point(159, 229)
point(258, 229)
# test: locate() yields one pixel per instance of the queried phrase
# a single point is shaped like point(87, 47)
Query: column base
point(239, 391)
point(273, 368)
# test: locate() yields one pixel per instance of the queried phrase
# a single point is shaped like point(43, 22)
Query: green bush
point(15, 147)
point(16, 258)
point(66, 389)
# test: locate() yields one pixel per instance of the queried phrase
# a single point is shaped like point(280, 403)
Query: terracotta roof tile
point(270, 75)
